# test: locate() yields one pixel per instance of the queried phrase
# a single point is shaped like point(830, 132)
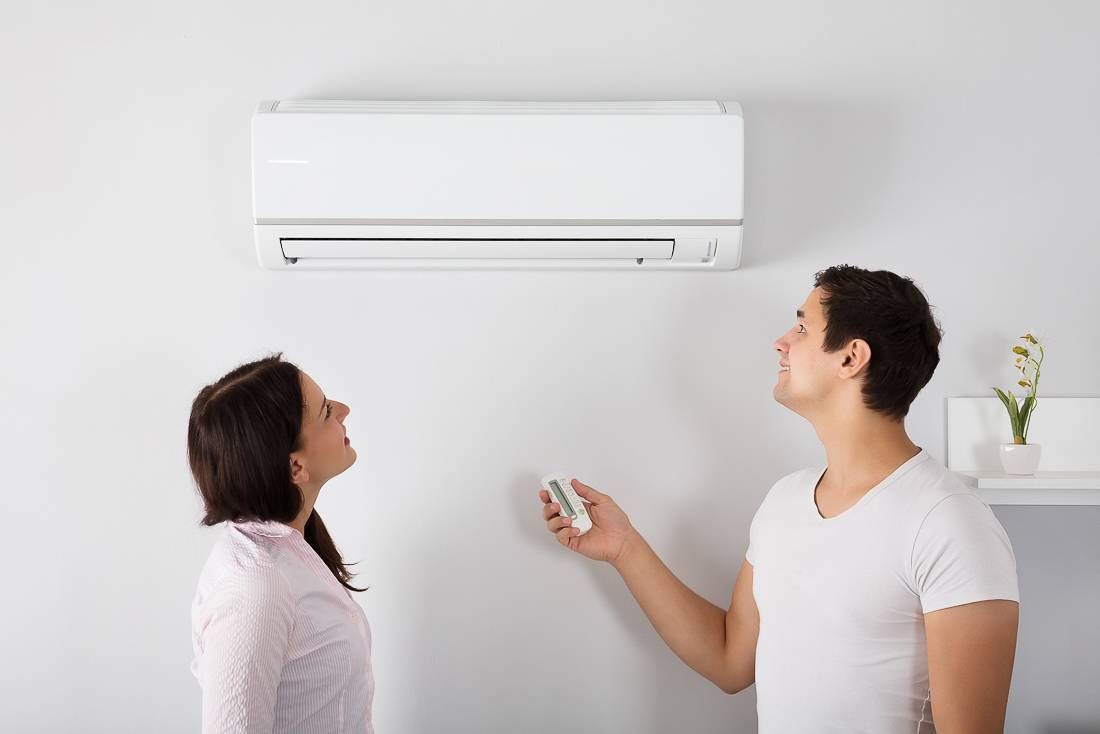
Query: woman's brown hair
point(242, 431)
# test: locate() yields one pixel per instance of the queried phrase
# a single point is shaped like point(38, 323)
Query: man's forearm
point(691, 626)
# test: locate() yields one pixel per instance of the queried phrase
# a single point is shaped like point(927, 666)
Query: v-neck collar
point(917, 458)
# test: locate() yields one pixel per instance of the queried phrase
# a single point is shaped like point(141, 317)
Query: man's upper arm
point(971, 649)
point(742, 631)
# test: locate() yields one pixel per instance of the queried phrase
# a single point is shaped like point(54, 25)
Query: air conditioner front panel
point(497, 167)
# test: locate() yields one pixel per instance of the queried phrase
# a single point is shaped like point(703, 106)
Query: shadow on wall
point(815, 169)
point(694, 702)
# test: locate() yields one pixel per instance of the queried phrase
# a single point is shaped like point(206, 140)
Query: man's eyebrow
point(324, 402)
point(800, 314)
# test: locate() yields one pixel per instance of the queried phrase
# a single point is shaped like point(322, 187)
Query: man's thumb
point(588, 493)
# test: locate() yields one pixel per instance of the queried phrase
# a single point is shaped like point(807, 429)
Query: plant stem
point(1034, 391)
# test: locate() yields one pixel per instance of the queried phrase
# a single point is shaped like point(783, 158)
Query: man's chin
point(783, 398)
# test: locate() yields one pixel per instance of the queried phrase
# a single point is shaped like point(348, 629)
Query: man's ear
point(856, 358)
point(298, 473)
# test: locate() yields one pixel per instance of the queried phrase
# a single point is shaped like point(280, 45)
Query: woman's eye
point(328, 413)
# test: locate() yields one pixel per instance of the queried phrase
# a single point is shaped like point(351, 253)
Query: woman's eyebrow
point(324, 402)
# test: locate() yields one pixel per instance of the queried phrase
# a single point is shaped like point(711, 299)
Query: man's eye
point(329, 411)
point(801, 329)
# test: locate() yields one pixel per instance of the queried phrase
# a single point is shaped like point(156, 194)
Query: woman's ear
point(298, 473)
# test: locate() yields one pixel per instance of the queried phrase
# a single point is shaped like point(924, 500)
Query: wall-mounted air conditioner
point(627, 185)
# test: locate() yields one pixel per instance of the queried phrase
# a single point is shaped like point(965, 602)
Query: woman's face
point(324, 449)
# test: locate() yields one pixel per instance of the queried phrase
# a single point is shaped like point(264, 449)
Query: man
point(875, 591)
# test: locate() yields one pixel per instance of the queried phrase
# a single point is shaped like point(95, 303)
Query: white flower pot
point(1020, 458)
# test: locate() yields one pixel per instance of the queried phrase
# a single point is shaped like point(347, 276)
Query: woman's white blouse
point(279, 644)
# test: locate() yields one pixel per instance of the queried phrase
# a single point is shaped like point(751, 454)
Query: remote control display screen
point(562, 499)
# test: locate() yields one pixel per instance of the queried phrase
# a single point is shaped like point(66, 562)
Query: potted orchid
point(1021, 457)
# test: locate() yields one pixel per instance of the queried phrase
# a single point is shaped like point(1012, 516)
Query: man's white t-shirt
point(841, 600)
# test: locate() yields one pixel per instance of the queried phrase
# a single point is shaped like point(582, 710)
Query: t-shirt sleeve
point(750, 552)
point(243, 633)
point(961, 555)
point(759, 520)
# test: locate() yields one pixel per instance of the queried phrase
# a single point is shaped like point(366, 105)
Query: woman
point(280, 646)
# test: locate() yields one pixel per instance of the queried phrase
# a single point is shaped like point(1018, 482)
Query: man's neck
point(863, 448)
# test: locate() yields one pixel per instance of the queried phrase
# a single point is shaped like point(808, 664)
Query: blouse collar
point(270, 528)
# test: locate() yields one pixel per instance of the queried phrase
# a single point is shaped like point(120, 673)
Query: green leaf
point(1025, 409)
point(1025, 419)
point(1010, 406)
point(1014, 415)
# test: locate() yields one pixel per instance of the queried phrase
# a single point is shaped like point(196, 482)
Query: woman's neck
point(309, 499)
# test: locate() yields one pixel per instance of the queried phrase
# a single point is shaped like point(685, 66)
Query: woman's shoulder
point(246, 562)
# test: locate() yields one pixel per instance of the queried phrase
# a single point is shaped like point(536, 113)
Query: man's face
point(808, 375)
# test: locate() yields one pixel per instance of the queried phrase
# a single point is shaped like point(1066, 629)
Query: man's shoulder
point(929, 484)
point(792, 487)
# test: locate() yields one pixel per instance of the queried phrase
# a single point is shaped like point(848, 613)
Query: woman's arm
point(243, 635)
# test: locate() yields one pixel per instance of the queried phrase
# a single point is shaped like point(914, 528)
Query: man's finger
point(589, 493)
point(565, 535)
point(555, 524)
point(550, 510)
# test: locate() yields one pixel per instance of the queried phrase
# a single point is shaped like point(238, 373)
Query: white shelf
point(1042, 488)
point(1065, 428)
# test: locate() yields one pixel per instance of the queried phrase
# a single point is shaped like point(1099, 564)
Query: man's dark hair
point(891, 314)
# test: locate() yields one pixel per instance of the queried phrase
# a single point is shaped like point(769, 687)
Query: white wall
point(953, 142)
